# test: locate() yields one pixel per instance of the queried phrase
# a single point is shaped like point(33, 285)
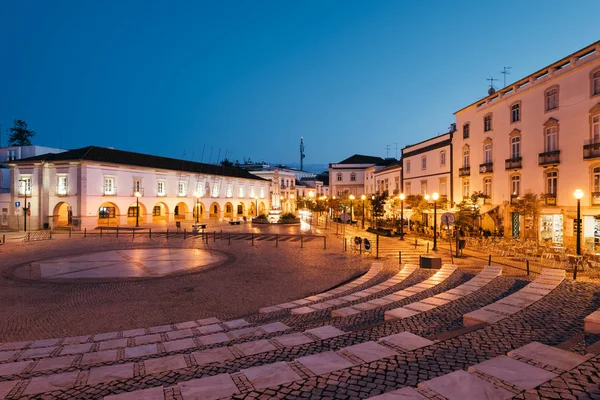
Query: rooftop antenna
point(491, 80)
point(396, 148)
point(302, 155)
point(505, 71)
point(387, 151)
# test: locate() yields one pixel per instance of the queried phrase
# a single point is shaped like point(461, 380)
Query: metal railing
point(513, 163)
point(549, 157)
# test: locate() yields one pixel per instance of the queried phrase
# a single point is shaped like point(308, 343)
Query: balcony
point(486, 168)
point(464, 171)
point(513, 163)
point(595, 198)
point(62, 190)
point(591, 150)
point(550, 199)
point(549, 158)
point(514, 198)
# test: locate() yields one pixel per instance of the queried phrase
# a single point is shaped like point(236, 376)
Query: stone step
point(591, 323)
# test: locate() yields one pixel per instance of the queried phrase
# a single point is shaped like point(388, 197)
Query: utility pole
point(302, 155)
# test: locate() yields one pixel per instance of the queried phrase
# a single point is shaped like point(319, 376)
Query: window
point(423, 188)
point(353, 177)
point(465, 131)
point(424, 162)
point(109, 185)
point(132, 211)
point(181, 189)
point(61, 187)
point(465, 188)
point(215, 190)
point(407, 188)
point(228, 208)
point(160, 188)
point(156, 211)
point(25, 185)
point(515, 112)
point(487, 123)
point(252, 192)
point(106, 212)
point(466, 158)
point(551, 182)
point(596, 83)
point(339, 176)
point(229, 190)
point(487, 153)
point(443, 157)
point(596, 128)
point(551, 100)
point(407, 165)
point(596, 179)
point(515, 147)
point(515, 185)
point(551, 138)
point(137, 185)
point(200, 189)
point(443, 187)
point(262, 192)
point(487, 187)
point(241, 192)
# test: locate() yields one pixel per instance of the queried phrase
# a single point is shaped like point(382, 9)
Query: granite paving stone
point(326, 362)
point(99, 357)
point(13, 368)
point(7, 355)
point(293, 339)
point(209, 388)
point(268, 375)
point(134, 332)
point(212, 328)
point(6, 387)
point(156, 393)
point(141, 351)
point(255, 347)
point(54, 363)
point(218, 354)
point(154, 338)
point(44, 343)
point(76, 349)
point(214, 339)
point(517, 373)
point(182, 344)
point(162, 364)
point(110, 373)
point(113, 344)
point(556, 357)
point(50, 383)
point(38, 352)
point(325, 332)
point(461, 385)
point(370, 351)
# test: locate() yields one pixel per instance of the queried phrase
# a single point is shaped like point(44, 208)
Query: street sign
point(18, 210)
point(17, 204)
point(345, 217)
point(447, 218)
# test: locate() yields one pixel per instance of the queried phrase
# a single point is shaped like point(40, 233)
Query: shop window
point(106, 212)
point(551, 228)
point(133, 211)
point(156, 211)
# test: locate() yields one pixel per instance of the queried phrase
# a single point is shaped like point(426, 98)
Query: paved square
point(256, 347)
point(271, 375)
point(110, 373)
point(370, 351)
point(218, 354)
point(210, 388)
point(325, 332)
point(145, 394)
point(461, 385)
point(515, 372)
point(323, 363)
point(163, 364)
point(49, 383)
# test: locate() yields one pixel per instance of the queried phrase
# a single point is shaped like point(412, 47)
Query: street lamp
point(372, 211)
point(351, 197)
point(402, 197)
point(197, 195)
point(578, 195)
point(256, 210)
point(137, 209)
point(363, 198)
point(25, 205)
point(435, 198)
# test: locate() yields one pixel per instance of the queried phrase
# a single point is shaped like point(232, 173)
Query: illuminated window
point(160, 188)
point(61, 187)
point(106, 212)
point(109, 185)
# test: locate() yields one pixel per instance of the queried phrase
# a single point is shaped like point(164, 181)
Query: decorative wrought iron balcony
point(464, 171)
point(486, 167)
point(550, 199)
point(514, 198)
point(591, 150)
point(513, 163)
point(549, 158)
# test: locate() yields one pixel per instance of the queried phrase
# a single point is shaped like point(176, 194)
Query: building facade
point(427, 167)
point(540, 135)
point(348, 176)
point(95, 186)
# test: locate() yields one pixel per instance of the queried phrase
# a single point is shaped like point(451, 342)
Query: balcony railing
point(591, 150)
point(514, 198)
point(486, 167)
point(595, 198)
point(513, 163)
point(464, 171)
point(550, 199)
point(62, 190)
point(549, 157)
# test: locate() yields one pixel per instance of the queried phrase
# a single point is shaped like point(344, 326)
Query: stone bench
point(548, 280)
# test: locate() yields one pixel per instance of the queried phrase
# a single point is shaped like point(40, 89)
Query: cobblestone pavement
point(263, 275)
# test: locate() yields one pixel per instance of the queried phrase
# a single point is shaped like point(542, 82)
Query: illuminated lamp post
point(363, 198)
point(402, 197)
point(197, 195)
point(435, 198)
point(578, 195)
point(351, 197)
point(137, 209)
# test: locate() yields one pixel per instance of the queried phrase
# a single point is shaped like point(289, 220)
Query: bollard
point(420, 263)
point(301, 241)
point(377, 251)
point(415, 243)
point(490, 260)
point(230, 238)
point(527, 267)
point(150, 233)
point(70, 230)
point(84, 232)
point(50, 235)
point(214, 236)
point(3, 238)
point(221, 235)
point(117, 231)
point(324, 242)
point(184, 233)
point(276, 240)
point(427, 247)
point(253, 239)
point(133, 235)
point(399, 258)
point(344, 244)
point(575, 271)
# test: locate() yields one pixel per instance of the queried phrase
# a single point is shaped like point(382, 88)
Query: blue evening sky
point(251, 77)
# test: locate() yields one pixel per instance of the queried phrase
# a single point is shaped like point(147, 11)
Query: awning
point(487, 208)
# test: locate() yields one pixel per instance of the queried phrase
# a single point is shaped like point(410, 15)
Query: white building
point(427, 167)
point(546, 129)
point(95, 186)
point(348, 176)
point(283, 188)
point(384, 178)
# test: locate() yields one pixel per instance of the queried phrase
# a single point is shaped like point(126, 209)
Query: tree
point(530, 206)
point(19, 134)
point(226, 162)
point(378, 206)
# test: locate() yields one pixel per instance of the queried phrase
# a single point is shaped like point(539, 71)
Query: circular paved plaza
point(283, 319)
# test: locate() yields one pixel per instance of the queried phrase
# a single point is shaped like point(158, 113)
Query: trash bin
point(462, 244)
